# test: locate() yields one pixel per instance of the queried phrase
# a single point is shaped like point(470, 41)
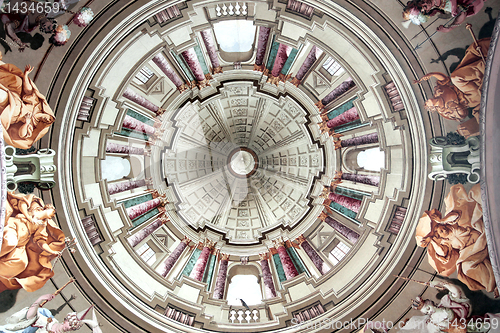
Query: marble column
point(201, 263)
point(142, 101)
point(264, 33)
point(357, 141)
point(138, 126)
point(220, 283)
point(347, 202)
point(279, 62)
point(123, 149)
point(344, 118)
point(142, 234)
point(144, 207)
point(286, 261)
point(356, 178)
point(312, 254)
point(208, 40)
point(128, 185)
point(163, 64)
point(342, 229)
point(174, 256)
point(336, 93)
point(194, 64)
point(311, 58)
point(267, 276)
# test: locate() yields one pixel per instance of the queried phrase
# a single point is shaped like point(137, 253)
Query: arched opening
point(114, 167)
point(244, 283)
point(372, 159)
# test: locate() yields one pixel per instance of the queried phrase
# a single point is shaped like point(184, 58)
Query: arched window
point(372, 159)
point(235, 35)
point(114, 167)
point(246, 287)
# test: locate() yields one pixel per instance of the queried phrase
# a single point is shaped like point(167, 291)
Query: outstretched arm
point(33, 309)
point(27, 87)
point(454, 290)
point(458, 20)
point(9, 28)
point(437, 75)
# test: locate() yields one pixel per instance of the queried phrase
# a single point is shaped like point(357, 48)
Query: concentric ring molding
point(106, 284)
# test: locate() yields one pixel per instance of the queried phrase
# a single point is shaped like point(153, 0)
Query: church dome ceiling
point(296, 155)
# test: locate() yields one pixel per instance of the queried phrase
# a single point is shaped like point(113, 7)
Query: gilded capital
point(263, 256)
point(301, 239)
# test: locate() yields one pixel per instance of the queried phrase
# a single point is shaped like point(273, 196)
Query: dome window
point(245, 287)
point(372, 159)
point(236, 39)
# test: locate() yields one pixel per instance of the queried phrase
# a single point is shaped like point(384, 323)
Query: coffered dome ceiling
point(234, 154)
point(243, 162)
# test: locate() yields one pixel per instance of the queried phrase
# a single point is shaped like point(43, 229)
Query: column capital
point(164, 220)
point(295, 81)
point(338, 174)
point(186, 240)
point(338, 144)
point(273, 251)
point(278, 242)
point(323, 216)
point(224, 256)
point(209, 243)
point(320, 105)
point(217, 70)
point(259, 68)
point(263, 256)
point(327, 202)
point(324, 193)
point(334, 183)
point(289, 244)
point(301, 239)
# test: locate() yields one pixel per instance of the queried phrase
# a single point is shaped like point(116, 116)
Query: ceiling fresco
point(258, 166)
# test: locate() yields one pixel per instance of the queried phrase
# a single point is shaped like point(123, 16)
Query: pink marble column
point(174, 256)
point(344, 118)
point(280, 60)
point(220, 283)
point(306, 66)
point(201, 263)
point(363, 179)
point(144, 207)
point(336, 93)
point(142, 234)
point(137, 126)
point(208, 40)
point(312, 254)
point(163, 64)
point(267, 276)
point(142, 101)
point(286, 261)
point(342, 229)
point(194, 64)
point(122, 149)
point(261, 48)
point(128, 185)
point(347, 202)
point(357, 141)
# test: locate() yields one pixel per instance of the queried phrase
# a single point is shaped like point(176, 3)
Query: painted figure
point(31, 240)
point(24, 112)
point(418, 12)
point(456, 242)
point(452, 314)
point(462, 90)
point(25, 21)
point(40, 320)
